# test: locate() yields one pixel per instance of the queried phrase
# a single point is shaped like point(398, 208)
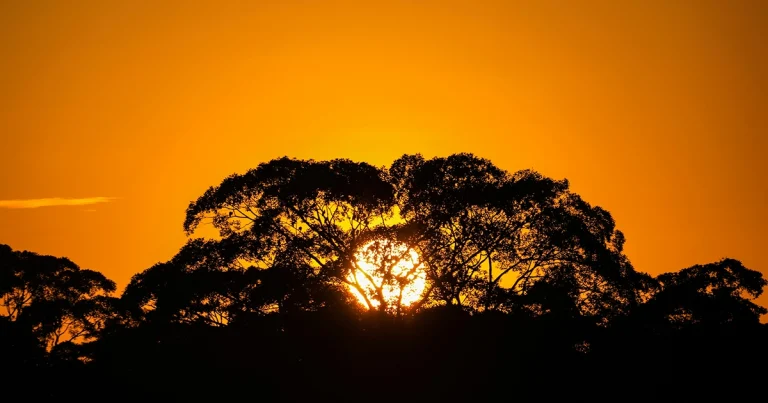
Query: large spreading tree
point(487, 240)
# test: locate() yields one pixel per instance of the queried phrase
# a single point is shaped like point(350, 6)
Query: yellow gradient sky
point(655, 110)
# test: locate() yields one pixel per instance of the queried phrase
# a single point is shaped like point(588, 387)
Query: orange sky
point(655, 110)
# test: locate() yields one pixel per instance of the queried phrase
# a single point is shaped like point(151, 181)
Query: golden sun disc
point(387, 270)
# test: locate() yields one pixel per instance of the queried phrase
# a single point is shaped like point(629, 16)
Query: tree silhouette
point(298, 213)
point(53, 297)
point(207, 282)
point(485, 236)
point(716, 293)
point(488, 236)
point(439, 279)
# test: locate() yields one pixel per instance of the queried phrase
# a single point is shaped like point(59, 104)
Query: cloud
point(53, 201)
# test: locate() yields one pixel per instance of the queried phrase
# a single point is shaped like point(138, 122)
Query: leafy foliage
point(715, 293)
point(525, 284)
point(52, 296)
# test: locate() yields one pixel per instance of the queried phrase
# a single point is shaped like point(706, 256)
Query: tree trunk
point(490, 282)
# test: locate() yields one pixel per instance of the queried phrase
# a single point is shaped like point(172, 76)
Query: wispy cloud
point(53, 201)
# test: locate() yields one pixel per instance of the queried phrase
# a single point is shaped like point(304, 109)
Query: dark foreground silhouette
point(528, 296)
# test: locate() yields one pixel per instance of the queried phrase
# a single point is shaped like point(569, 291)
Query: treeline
point(528, 294)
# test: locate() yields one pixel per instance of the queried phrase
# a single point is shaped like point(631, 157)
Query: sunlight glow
point(390, 267)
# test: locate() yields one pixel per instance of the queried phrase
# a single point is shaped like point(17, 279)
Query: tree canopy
point(485, 236)
point(425, 269)
point(52, 297)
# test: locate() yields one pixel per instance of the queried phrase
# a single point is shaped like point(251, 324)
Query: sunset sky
point(114, 115)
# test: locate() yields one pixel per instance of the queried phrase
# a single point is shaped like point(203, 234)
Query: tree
point(207, 282)
point(488, 236)
point(301, 214)
point(52, 297)
point(715, 293)
point(484, 235)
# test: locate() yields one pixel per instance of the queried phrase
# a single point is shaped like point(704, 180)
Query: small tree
point(53, 297)
point(715, 293)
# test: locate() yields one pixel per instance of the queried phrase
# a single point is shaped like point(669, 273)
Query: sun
point(387, 270)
